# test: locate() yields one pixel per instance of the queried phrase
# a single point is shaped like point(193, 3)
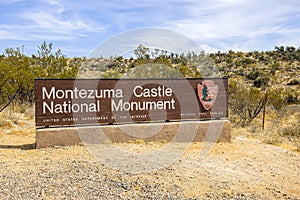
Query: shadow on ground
point(22, 147)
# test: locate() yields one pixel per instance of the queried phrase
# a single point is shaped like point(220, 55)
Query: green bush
point(17, 72)
point(261, 82)
point(253, 75)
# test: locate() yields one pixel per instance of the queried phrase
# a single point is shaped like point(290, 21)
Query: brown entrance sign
point(92, 101)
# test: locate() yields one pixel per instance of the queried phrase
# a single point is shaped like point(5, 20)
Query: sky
point(77, 27)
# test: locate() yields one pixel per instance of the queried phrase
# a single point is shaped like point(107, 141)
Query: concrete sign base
point(184, 131)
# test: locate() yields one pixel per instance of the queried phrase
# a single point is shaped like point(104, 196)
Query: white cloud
point(53, 23)
point(239, 22)
point(6, 35)
point(213, 24)
point(46, 22)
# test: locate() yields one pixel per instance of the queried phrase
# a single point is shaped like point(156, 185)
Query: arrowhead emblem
point(207, 93)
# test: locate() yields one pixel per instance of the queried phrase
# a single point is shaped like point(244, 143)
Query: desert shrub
point(292, 129)
point(292, 97)
point(253, 75)
point(273, 139)
point(275, 66)
point(273, 71)
point(112, 73)
point(261, 82)
point(151, 70)
point(277, 98)
point(17, 72)
point(245, 101)
point(240, 71)
point(293, 82)
point(16, 78)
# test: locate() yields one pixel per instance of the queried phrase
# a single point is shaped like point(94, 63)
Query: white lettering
point(53, 93)
point(160, 91)
point(46, 106)
point(135, 91)
point(68, 107)
point(146, 105)
point(48, 95)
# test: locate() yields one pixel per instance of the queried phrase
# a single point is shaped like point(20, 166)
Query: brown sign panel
point(92, 101)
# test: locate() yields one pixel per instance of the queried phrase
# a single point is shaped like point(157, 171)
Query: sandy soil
point(242, 169)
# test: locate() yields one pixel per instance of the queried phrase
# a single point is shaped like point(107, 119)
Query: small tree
point(245, 101)
point(16, 78)
point(142, 52)
point(17, 72)
point(54, 65)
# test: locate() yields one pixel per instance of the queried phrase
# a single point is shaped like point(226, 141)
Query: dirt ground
point(242, 169)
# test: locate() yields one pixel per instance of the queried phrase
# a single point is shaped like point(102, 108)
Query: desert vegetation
point(258, 81)
point(246, 168)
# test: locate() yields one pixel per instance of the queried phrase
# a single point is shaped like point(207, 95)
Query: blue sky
point(77, 27)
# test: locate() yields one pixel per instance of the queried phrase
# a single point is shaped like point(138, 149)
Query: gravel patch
point(243, 169)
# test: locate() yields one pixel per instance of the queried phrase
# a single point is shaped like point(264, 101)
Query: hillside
point(256, 79)
point(258, 163)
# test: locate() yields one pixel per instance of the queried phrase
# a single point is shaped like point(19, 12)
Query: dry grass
point(17, 129)
point(281, 128)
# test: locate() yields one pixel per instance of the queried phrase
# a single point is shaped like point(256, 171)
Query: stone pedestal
point(186, 131)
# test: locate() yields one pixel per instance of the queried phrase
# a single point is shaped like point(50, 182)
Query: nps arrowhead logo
point(207, 93)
